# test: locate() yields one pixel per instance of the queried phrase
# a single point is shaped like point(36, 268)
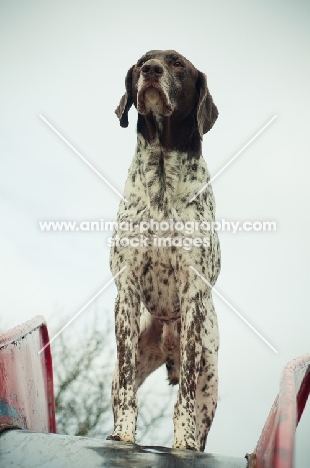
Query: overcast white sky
point(67, 60)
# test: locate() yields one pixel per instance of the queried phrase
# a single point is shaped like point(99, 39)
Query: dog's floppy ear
point(126, 101)
point(207, 112)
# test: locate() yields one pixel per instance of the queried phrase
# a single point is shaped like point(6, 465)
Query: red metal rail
point(26, 378)
point(275, 448)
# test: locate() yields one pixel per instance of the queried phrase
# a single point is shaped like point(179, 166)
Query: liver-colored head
point(163, 83)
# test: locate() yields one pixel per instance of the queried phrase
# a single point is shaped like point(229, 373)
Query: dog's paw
point(173, 372)
point(186, 446)
point(113, 437)
point(121, 437)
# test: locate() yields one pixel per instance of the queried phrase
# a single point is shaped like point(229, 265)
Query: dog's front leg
point(124, 400)
point(192, 328)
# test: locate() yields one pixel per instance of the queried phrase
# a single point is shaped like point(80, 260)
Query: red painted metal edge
point(26, 378)
point(49, 379)
point(275, 448)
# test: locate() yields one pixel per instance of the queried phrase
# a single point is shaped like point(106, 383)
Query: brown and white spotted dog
point(164, 312)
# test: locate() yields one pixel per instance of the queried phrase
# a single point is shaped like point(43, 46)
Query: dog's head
point(166, 84)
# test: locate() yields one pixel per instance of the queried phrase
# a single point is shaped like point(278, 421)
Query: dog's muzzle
point(153, 90)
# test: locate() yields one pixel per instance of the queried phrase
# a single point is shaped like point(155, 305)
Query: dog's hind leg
point(150, 353)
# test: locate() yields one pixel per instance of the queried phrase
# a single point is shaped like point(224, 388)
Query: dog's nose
point(152, 68)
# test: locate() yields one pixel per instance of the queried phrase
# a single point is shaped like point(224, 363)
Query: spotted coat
point(164, 311)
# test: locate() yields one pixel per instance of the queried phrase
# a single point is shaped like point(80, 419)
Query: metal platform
point(24, 449)
point(27, 404)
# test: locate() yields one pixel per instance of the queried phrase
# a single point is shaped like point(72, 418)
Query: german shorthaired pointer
point(164, 312)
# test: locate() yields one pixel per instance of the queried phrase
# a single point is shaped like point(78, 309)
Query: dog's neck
point(160, 173)
point(177, 132)
point(162, 168)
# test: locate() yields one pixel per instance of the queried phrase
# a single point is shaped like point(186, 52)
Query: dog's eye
point(178, 64)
